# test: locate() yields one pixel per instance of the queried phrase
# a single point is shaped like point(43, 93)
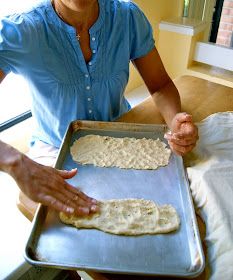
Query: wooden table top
point(200, 98)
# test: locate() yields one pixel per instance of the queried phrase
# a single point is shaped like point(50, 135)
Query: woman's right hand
point(48, 186)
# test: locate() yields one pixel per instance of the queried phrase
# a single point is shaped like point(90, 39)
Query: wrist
point(171, 121)
point(14, 165)
point(10, 159)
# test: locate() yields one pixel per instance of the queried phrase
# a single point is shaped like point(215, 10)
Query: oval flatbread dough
point(127, 152)
point(128, 217)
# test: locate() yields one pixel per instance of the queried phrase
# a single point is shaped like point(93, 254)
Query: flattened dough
point(127, 152)
point(128, 217)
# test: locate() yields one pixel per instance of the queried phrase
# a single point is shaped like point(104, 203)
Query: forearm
point(167, 100)
point(159, 84)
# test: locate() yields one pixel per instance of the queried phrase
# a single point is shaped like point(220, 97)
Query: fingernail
point(70, 209)
point(167, 136)
point(95, 208)
point(74, 169)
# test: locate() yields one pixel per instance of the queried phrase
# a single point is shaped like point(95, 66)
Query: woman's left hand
point(183, 135)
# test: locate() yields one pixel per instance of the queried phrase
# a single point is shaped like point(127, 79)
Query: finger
point(183, 117)
point(181, 139)
point(186, 130)
point(63, 197)
point(185, 135)
point(68, 198)
point(76, 200)
point(179, 120)
point(95, 208)
point(58, 185)
point(53, 202)
point(181, 150)
point(184, 141)
point(63, 207)
point(168, 135)
point(77, 191)
point(67, 174)
point(88, 202)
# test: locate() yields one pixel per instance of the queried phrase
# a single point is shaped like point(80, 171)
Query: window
point(186, 8)
point(219, 16)
point(14, 93)
point(10, 6)
point(14, 101)
point(217, 46)
point(222, 28)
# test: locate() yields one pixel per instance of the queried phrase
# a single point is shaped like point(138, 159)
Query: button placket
point(93, 45)
point(88, 93)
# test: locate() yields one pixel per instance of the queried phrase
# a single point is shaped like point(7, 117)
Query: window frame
point(15, 120)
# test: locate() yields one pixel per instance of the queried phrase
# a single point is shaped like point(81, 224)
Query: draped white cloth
point(210, 173)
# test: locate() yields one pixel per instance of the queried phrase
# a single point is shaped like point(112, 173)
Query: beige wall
point(176, 51)
point(155, 11)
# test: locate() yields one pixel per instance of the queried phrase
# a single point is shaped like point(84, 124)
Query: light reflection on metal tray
point(179, 253)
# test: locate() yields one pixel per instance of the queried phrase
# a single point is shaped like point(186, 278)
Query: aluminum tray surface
point(179, 253)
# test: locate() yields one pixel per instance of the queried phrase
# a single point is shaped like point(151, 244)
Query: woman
point(75, 54)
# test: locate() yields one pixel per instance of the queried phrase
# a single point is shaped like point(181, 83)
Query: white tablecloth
point(210, 173)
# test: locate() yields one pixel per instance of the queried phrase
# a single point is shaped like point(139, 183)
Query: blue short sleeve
point(141, 34)
point(3, 48)
point(14, 41)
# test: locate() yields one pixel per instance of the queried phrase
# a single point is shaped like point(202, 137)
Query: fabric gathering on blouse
point(42, 48)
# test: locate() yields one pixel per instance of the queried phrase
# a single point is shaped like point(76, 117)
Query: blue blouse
point(40, 46)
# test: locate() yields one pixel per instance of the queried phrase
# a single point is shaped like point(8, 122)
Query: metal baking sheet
point(179, 253)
